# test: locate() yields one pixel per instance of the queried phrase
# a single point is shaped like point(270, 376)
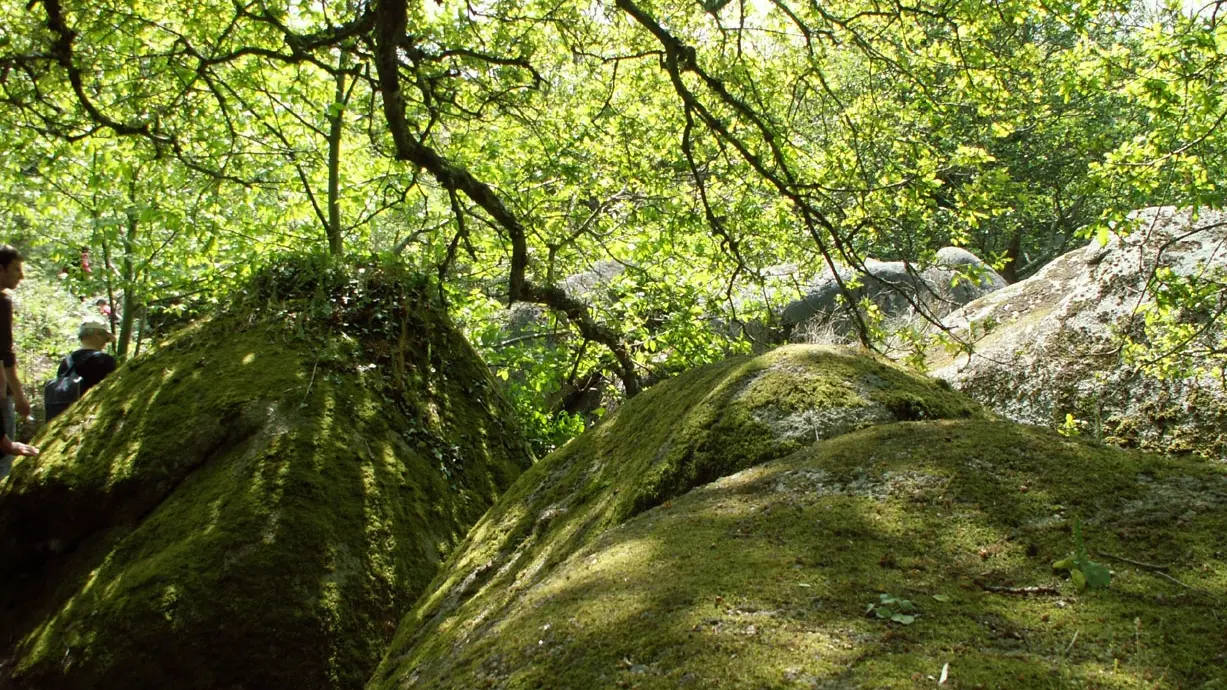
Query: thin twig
point(1022, 591)
point(1156, 569)
point(1147, 566)
point(312, 381)
point(1071, 644)
point(1169, 578)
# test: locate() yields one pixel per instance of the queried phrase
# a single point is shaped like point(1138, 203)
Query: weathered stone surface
point(984, 279)
point(1045, 347)
point(701, 537)
point(524, 319)
point(256, 503)
point(956, 278)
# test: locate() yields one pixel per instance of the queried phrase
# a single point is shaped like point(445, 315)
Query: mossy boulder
point(257, 502)
point(683, 433)
point(783, 574)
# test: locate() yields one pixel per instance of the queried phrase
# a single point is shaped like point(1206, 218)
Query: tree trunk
point(1013, 255)
point(336, 122)
point(108, 274)
point(128, 275)
point(140, 332)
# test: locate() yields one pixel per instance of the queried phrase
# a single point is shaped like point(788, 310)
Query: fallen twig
point(1020, 591)
point(311, 382)
point(1122, 559)
point(1159, 570)
point(1169, 578)
point(1071, 643)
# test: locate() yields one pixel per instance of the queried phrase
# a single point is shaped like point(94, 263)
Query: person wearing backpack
point(12, 398)
point(81, 370)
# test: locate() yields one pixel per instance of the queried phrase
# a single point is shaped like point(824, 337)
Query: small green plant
point(1082, 570)
point(897, 609)
point(1071, 428)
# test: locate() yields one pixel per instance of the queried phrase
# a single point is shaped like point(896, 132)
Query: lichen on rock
point(1056, 344)
point(255, 503)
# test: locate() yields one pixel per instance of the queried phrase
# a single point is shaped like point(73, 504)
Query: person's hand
point(15, 448)
point(22, 405)
point(23, 449)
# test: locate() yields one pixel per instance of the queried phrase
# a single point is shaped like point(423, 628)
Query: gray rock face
point(958, 277)
point(524, 318)
point(952, 260)
point(1045, 346)
point(531, 323)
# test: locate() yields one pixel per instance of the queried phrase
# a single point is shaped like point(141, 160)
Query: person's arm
point(7, 445)
point(19, 396)
point(8, 359)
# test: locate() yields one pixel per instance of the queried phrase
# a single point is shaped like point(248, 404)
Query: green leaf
point(1079, 579)
point(941, 597)
point(1002, 129)
point(1097, 576)
point(904, 619)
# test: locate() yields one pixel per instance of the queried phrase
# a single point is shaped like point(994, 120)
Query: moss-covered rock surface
point(258, 502)
point(676, 546)
point(766, 578)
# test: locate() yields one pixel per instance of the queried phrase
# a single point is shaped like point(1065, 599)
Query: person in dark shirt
point(12, 398)
point(90, 362)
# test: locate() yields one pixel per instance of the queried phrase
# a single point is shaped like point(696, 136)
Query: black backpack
point(63, 391)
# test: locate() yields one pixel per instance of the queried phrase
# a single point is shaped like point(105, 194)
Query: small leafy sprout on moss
point(897, 609)
point(1082, 570)
point(1070, 428)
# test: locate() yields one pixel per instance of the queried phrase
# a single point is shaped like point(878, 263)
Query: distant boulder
point(256, 502)
point(525, 319)
point(981, 278)
point(956, 278)
point(1046, 347)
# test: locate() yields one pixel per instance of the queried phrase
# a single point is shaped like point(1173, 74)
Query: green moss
point(705, 424)
point(256, 503)
point(762, 578)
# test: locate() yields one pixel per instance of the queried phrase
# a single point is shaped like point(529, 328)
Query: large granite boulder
point(1049, 347)
point(759, 524)
point(257, 502)
point(955, 278)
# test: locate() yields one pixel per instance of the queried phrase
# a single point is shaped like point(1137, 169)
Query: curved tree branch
point(391, 19)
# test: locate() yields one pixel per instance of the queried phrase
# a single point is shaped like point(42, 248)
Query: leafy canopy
point(506, 145)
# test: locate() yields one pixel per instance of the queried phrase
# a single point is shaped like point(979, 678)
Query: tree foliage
point(506, 145)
